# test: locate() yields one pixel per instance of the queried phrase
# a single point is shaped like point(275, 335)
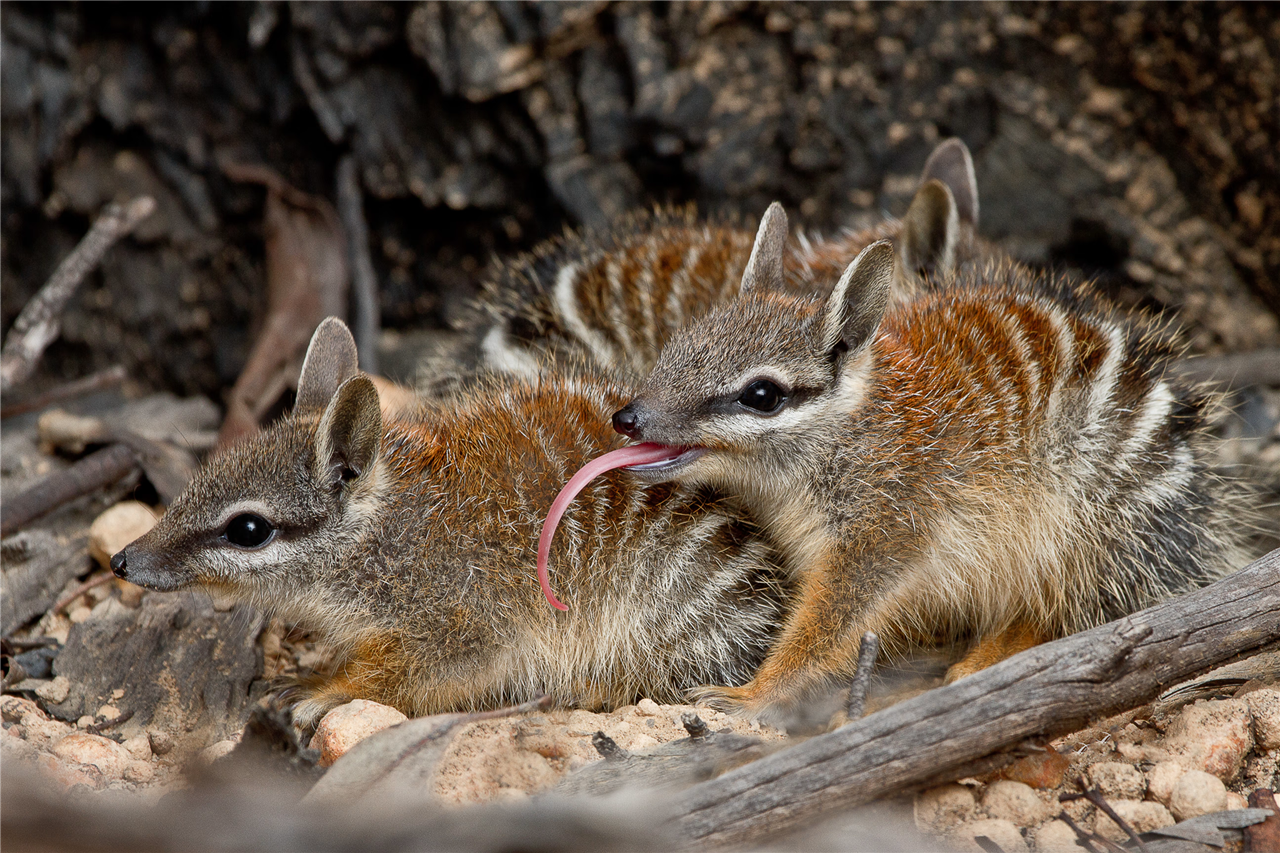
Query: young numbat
point(407, 543)
point(994, 464)
point(611, 300)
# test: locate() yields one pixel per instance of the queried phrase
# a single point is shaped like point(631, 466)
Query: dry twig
point(99, 381)
point(95, 471)
point(867, 654)
point(364, 282)
point(38, 325)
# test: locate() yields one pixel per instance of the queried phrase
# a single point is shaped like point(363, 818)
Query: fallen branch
point(91, 473)
point(1242, 370)
point(1048, 690)
point(38, 325)
point(99, 381)
point(364, 282)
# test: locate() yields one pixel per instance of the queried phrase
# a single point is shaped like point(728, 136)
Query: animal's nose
point(626, 422)
point(118, 567)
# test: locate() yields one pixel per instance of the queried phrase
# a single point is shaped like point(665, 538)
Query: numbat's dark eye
point(762, 395)
point(249, 531)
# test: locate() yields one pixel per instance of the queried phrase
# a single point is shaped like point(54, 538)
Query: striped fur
point(612, 300)
point(1006, 458)
point(419, 571)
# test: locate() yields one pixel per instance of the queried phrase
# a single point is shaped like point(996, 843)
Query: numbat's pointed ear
point(331, 360)
point(952, 164)
point(857, 305)
point(931, 230)
point(764, 267)
point(349, 433)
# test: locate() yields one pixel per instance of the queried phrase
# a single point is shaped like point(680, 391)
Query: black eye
point(249, 531)
point(762, 395)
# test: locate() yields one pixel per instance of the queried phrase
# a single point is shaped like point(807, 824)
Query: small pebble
point(1016, 802)
point(210, 754)
point(79, 614)
point(1002, 832)
point(161, 741)
point(100, 752)
point(56, 691)
point(1197, 793)
point(139, 772)
point(108, 713)
point(347, 725)
point(117, 527)
point(1161, 778)
point(943, 807)
point(1264, 707)
point(1142, 815)
point(1213, 736)
point(138, 747)
point(646, 707)
point(1117, 779)
point(85, 721)
point(1055, 837)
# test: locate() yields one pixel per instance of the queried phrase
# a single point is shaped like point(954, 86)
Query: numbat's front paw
point(737, 701)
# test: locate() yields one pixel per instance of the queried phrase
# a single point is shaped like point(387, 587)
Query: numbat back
point(409, 545)
point(612, 300)
point(998, 463)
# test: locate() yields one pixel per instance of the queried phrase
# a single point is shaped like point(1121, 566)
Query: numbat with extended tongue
point(407, 543)
point(994, 464)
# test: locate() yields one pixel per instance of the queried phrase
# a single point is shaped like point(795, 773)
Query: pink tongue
point(636, 454)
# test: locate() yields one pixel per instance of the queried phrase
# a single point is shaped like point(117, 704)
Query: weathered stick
point(91, 473)
point(38, 324)
point(1045, 691)
point(99, 381)
point(868, 651)
point(364, 282)
point(1241, 370)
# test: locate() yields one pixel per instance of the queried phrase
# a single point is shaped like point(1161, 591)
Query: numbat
point(407, 543)
point(612, 300)
point(998, 463)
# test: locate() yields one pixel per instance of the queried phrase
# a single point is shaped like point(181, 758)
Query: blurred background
point(1135, 143)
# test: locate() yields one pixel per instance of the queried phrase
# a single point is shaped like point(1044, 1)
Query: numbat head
point(407, 542)
point(612, 300)
point(751, 387)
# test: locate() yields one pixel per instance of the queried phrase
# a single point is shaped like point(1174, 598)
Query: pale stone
point(108, 712)
point(1142, 815)
point(68, 774)
point(1002, 832)
point(79, 614)
point(139, 771)
point(1197, 793)
point(1055, 837)
point(1236, 801)
point(347, 725)
point(1264, 707)
point(943, 807)
point(85, 721)
point(1016, 802)
point(15, 708)
point(1212, 736)
point(648, 708)
point(56, 691)
point(138, 747)
point(117, 527)
point(1117, 779)
point(161, 741)
point(1161, 779)
point(210, 754)
point(100, 752)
